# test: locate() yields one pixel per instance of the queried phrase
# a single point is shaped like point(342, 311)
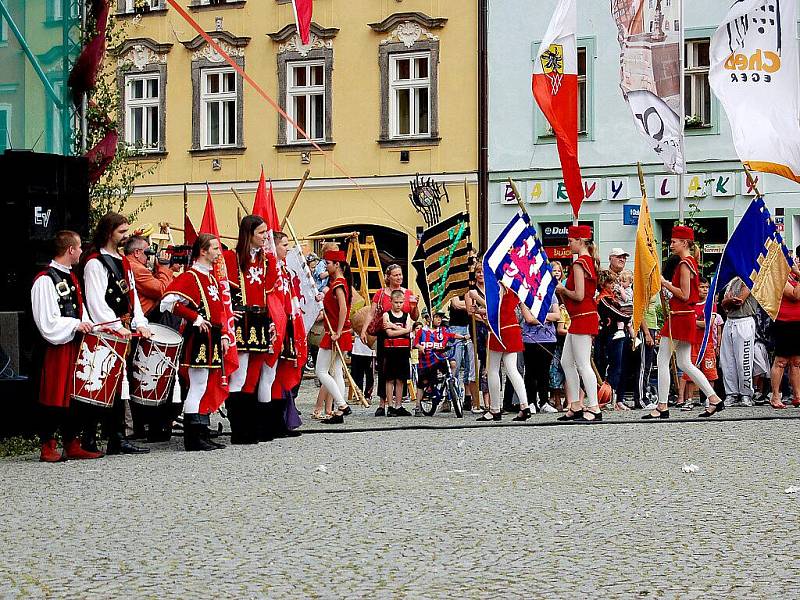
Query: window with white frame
point(55, 9)
point(697, 90)
point(143, 112)
point(305, 99)
point(3, 31)
point(583, 89)
point(218, 106)
point(144, 5)
point(409, 95)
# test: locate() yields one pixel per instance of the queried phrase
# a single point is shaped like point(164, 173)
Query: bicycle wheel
point(455, 398)
point(429, 403)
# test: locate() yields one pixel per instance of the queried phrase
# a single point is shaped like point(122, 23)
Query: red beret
point(583, 232)
point(681, 232)
point(335, 256)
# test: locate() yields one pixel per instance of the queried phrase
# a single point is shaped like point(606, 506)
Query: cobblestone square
point(492, 511)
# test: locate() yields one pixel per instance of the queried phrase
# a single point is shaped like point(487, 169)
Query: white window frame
point(697, 74)
point(148, 145)
point(292, 91)
point(221, 97)
point(130, 5)
point(414, 83)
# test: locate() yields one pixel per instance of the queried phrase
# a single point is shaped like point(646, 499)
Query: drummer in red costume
point(195, 297)
point(61, 318)
point(252, 272)
point(112, 301)
point(679, 329)
point(578, 299)
point(336, 304)
point(506, 351)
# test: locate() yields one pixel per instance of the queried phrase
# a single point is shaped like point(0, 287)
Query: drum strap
point(202, 293)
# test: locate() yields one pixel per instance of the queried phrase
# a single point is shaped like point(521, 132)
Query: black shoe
point(391, 411)
point(523, 415)
point(662, 414)
point(575, 416)
point(490, 416)
point(597, 418)
point(159, 434)
point(262, 417)
point(346, 410)
point(205, 432)
point(380, 412)
point(401, 412)
point(193, 434)
point(118, 445)
point(714, 408)
point(241, 416)
point(334, 419)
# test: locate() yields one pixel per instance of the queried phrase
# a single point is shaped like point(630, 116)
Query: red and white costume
point(682, 313)
point(195, 296)
point(57, 314)
point(294, 340)
point(505, 353)
point(327, 357)
point(251, 288)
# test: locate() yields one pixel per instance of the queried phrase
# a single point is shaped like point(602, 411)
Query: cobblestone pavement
point(489, 512)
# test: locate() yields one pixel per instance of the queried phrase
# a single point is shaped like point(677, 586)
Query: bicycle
point(443, 388)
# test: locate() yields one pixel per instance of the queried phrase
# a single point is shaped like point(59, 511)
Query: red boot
point(49, 452)
point(73, 451)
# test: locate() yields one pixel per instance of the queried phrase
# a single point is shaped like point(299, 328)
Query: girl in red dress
point(578, 299)
point(336, 304)
point(506, 351)
point(679, 329)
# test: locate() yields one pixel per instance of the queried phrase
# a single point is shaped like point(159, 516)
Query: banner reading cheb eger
point(555, 88)
point(754, 73)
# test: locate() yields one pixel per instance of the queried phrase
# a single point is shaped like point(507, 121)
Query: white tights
point(576, 360)
point(509, 361)
point(683, 356)
point(334, 385)
point(265, 379)
point(198, 382)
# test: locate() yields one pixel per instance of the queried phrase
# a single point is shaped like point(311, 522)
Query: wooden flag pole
point(295, 197)
point(476, 400)
point(239, 199)
point(752, 180)
point(664, 306)
point(517, 196)
point(356, 390)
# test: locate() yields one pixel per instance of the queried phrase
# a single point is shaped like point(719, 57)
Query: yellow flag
point(646, 273)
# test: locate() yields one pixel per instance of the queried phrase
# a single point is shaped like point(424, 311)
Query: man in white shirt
point(60, 317)
point(113, 302)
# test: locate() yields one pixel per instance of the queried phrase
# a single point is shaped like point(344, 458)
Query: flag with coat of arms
point(517, 262)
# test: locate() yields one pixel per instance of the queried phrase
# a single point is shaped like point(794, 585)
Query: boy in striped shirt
point(432, 345)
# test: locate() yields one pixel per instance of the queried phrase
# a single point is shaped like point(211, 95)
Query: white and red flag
point(303, 10)
point(555, 88)
point(231, 359)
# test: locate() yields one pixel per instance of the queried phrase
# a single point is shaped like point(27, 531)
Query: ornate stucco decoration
point(289, 39)
point(408, 28)
point(231, 44)
point(141, 52)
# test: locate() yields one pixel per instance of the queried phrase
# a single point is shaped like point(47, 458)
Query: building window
point(218, 108)
point(305, 98)
point(55, 9)
point(140, 6)
point(583, 83)
point(409, 95)
point(5, 123)
point(3, 31)
point(697, 97)
point(143, 112)
point(196, 3)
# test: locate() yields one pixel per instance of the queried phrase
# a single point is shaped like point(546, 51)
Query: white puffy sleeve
point(139, 320)
point(54, 328)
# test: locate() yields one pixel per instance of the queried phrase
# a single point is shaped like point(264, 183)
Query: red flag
point(264, 205)
point(555, 87)
point(302, 17)
point(290, 372)
point(189, 234)
point(215, 395)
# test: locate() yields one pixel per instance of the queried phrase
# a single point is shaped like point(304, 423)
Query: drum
point(97, 374)
point(155, 363)
point(316, 333)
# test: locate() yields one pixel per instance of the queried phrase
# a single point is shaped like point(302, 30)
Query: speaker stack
point(42, 194)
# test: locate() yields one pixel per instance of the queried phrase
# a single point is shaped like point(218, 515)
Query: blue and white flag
point(517, 261)
point(757, 254)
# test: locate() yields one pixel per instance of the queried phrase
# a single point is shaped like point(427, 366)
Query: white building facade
point(521, 145)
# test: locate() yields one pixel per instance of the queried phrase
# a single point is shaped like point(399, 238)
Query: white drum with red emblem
point(155, 363)
point(97, 375)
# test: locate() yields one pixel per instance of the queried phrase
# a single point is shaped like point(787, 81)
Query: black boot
point(205, 432)
point(262, 417)
point(279, 420)
point(241, 418)
point(117, 444)
point(192, 434)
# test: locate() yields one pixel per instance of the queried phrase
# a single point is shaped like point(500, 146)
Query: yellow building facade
point(387, 88)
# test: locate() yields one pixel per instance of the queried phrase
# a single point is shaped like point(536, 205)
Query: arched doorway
point(392, 246)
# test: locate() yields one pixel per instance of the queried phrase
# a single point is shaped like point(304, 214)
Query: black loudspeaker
point(43, 193)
